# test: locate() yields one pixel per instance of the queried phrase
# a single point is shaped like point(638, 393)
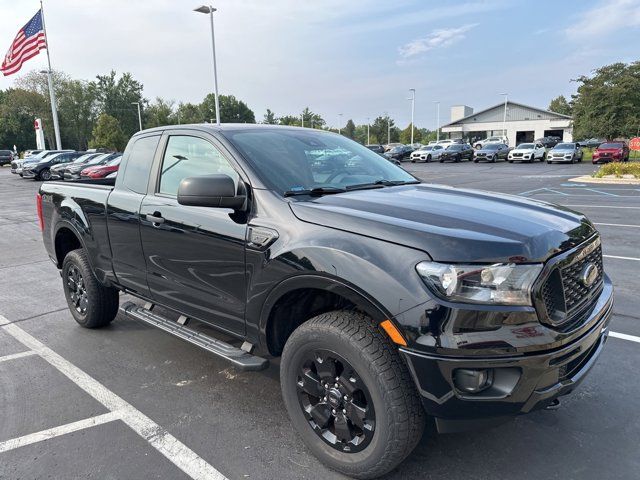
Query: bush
point(618, 169)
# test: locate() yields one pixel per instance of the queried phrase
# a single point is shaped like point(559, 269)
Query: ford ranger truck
point(389, 301)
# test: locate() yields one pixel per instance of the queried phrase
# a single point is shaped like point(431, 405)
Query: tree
point(116, 97)
point(270, 118)
point(349, 129)
point(108, 134)
point(379, 129)
point(18, 110)
point(77, 111)
point(607, 104)
point(292, 120)
point(159, 113)
point(405, 135)
point(187, 113)
point(312, 120)
point(232, 110)
point(560, 105)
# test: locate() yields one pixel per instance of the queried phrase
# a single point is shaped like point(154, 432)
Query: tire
point(544, 157)
point(428, 159)
point(441, 161)
point(374, 363)
point(45, 175)
point(510, 161)
point(475, 161)
point(100, 303)
point(549, 162)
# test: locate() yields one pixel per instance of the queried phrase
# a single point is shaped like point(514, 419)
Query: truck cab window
point(187, 156)
point(136, 176)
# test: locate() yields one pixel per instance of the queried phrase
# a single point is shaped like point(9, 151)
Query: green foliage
point(18, 110)
point(379, 132)
point(115, 97)
point(560, 105)
point(77, 113)
point(619, 169)
point(405, 135)
point(291, 120)
point(312, 120)
point(349, 130)
point(607, 104)
point(232, 110)
point(270, 118)
point(187, 113)
point(159, 113)
point(108, 134)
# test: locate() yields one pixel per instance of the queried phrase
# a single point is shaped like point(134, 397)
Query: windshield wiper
point(381, 184)
point(317, 191)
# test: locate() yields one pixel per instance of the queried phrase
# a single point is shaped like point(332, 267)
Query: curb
point(612, 181)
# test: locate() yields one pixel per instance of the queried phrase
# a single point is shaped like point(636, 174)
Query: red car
point(611, 152)
point(101, 171)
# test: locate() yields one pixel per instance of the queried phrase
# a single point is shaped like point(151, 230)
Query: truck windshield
point(291, 160)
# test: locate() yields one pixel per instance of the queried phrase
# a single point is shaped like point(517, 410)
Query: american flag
point(28, 43)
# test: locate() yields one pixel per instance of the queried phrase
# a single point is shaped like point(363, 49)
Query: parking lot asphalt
point(130, 401)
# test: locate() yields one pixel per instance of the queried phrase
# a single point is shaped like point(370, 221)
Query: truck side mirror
point(217, 190)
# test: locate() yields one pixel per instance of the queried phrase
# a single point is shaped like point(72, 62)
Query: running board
point(239, 357)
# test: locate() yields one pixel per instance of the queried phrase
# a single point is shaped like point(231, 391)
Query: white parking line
point(57, 431)
point(624, 336)
point(169, 446)
point(13, 356)
point(622, 258)
point(598, 206)
point(617, 225)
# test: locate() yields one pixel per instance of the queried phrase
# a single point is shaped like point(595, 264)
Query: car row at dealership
point(66, 165)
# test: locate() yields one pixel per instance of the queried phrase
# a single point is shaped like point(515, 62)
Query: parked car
point(389, 146)
point(387, 299)
point(457, 152)
point(492, 152)
point(18, 164)
point(101, 171)
point(592, 142)
point(6, 157)
point(399, 153)
point(376, 148)
point(428, 153)
point(565, 152)
point(527, 152)
point(611, 152)
point(447, 142)
point(57, 171)
point(28, 153)
point(72, 172)
point(549, 142)
point(41, 170)
point(479, 144)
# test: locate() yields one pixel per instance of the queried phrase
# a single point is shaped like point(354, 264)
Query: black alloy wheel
point(335, 401)
point(45, 175)
point(77, 290)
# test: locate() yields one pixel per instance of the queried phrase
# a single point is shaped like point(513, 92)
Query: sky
point(358, 58)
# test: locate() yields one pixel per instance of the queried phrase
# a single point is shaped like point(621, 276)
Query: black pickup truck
point(389, 300)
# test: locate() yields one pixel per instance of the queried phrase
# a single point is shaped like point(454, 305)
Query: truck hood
point(451, 224)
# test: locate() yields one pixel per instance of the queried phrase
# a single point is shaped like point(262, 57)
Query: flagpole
point(52, 94)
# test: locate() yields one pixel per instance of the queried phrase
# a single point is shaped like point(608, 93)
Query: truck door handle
point(156, 218)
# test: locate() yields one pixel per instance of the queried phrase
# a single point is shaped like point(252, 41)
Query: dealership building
point(523, 123)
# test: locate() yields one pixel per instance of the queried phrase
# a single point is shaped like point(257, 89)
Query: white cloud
point(606, 18)
point(440, 38)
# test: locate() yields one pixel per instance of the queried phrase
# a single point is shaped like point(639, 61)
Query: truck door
point(123, 214)
point(195, 255)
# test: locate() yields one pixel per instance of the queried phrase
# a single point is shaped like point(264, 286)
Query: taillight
point(39, 210)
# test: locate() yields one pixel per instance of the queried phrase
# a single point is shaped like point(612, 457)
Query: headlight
point(498, 284)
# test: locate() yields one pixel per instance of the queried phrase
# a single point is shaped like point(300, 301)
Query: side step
point(240, 358)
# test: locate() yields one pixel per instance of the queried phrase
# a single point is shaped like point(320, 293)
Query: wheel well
point(65, 242)
point(294, 308)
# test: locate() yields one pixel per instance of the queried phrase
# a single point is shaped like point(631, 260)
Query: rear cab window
point(138, 165)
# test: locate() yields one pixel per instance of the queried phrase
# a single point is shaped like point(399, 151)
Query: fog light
point(472, 381)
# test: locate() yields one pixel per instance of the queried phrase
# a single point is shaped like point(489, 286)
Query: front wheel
point(349, 394)
point(92, 304)
point(45, 175)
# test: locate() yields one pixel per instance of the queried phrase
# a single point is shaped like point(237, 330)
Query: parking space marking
point(617, 225)
point(624, 336)
point(165, 443)
point(600, 206)
point(622, 258)
point(57, 431)
point(6, 358)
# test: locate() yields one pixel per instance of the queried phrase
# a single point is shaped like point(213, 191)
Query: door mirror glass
point(216, 190)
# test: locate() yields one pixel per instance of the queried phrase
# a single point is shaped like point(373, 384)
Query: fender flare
point(360, 298)
point(74, 229)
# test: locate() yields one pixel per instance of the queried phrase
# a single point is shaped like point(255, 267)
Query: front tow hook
point(554, 405)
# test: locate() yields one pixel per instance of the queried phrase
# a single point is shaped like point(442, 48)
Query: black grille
point(563, 292)
point(517, 154)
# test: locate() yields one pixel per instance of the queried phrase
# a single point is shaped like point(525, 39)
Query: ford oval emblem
point(589, 274)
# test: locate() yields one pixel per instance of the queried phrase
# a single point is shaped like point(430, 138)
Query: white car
point(527, 152)
point(446, 143)
point(496, 139)
point(428, 153)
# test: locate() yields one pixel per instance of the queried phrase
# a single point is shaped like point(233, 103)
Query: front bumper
point(71, 176)
point(521, 384)
point(28, 174)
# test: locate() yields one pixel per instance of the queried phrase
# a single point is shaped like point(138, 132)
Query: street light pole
point(413, 108)
point(340, 124)
point(139, 115)
point(504, 121)
point(368, 122)
point(437, 120)
point(209, 9)
point(388, 130)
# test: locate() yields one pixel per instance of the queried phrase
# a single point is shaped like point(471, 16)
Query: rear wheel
point(45, 175)
point(92, 304)
point(350, 395)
